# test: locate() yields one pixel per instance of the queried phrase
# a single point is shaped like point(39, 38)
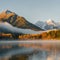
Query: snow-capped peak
point(50, 22)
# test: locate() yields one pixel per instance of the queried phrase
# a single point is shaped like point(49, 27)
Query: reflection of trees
point(19, 57)
point(15, 36)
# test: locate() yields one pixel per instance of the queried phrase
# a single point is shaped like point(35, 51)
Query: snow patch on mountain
point(48, 25)
point(50, 22)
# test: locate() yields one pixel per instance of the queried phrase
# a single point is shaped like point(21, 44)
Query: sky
point(33, 10)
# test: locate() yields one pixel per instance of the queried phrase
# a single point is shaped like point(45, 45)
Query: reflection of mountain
point(17, 21)
point(33, 51)
point(21, 53)
point(49, 24)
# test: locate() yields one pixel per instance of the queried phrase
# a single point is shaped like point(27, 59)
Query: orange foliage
point(5, 16)
point(2, 15)
point(6, 35)
point(9, 15)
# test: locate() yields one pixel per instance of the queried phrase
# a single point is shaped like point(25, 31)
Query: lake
point(30, 50)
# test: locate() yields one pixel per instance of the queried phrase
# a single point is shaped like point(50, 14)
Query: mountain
point(50, 22)
point(17, 21)
point(40, 24)
point(48, 25)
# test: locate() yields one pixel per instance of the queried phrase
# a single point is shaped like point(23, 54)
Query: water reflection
point(31, 51)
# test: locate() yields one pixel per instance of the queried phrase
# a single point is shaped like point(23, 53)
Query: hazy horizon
point(33, 10)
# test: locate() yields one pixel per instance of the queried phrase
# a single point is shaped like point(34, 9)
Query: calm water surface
point(12, 50)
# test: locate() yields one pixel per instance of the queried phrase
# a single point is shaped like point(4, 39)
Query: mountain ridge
point(48, 24)
point(17, 21)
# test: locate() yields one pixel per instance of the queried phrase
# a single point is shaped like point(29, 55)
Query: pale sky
point(33, 10)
